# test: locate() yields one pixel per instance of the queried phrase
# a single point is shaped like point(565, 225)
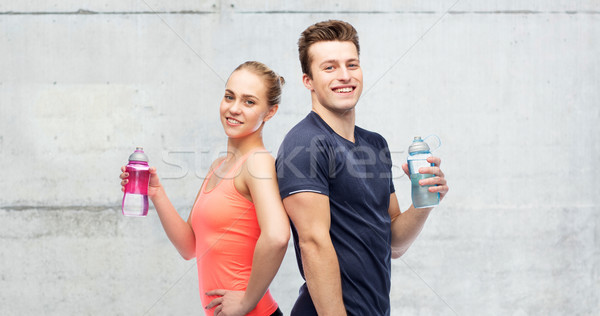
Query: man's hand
point(407, 226)
point(437, 183)
point(229, 303)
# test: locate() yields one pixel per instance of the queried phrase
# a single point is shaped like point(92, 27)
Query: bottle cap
point(418, 145)
point(138, 155)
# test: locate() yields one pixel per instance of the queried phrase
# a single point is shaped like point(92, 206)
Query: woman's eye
point(250, 102)
point(329, 68)
point(228, 97)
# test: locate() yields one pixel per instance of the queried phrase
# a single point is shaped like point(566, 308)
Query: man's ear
point(271, 112)
point(307, 82)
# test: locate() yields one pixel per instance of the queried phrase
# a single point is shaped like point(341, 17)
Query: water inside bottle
point(135, 204)
point(421, 196)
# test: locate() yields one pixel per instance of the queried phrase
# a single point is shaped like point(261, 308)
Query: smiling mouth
point(343, 90)
point(233, 121)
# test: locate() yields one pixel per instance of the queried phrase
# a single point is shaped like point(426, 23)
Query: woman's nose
point(235, 108)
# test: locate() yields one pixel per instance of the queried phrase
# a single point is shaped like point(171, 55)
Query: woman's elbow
point(188, 258)
point(279, 240)
point(283, 239)
point(187, 255)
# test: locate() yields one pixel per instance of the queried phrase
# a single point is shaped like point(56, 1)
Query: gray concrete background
point(511, 88)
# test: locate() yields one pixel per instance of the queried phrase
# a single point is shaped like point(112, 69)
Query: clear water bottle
point(135, 199)
point(418, 153)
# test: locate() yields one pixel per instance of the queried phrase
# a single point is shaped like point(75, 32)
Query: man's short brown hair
point(331, 30)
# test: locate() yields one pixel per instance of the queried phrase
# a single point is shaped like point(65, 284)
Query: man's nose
point(344, 73)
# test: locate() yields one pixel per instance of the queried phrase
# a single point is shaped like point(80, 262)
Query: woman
point(238, 230)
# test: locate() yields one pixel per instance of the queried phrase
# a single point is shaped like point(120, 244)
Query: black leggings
point(277, 312)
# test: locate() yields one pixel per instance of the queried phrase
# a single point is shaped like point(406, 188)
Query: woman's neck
point(237, 147)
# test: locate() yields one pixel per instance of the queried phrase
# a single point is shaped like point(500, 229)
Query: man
point(335, 180)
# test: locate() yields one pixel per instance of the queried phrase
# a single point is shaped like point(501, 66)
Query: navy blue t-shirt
point(357, 178)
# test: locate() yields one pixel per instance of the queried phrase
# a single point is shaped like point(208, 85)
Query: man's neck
point(340, 122)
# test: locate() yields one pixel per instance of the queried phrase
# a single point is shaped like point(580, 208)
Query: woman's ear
point(271, 112)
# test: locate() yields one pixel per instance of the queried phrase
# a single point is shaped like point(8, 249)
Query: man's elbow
point(314, 243)
point(398, 252)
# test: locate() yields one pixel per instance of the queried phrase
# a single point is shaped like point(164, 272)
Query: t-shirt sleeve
point(386, 157)
point(304, 164)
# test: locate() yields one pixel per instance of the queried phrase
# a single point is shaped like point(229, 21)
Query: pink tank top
point(226, 230)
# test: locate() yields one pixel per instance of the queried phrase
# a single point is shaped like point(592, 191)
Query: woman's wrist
point(246, 304)
point(158, 195)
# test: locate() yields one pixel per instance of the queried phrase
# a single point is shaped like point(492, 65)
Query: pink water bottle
point(135, 199)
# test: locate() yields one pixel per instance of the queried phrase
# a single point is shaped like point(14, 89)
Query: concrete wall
point(510, 87)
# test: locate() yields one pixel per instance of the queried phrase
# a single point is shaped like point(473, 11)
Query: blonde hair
point(273, 81)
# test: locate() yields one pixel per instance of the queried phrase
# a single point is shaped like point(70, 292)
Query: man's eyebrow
point(336, 61)
point(330, 61)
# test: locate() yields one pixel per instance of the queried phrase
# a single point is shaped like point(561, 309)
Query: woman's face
point(244, 107)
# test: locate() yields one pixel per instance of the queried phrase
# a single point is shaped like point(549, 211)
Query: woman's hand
point(153, 187)
point(229, 303)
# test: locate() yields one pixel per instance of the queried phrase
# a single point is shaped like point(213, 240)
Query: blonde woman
point(238, 230)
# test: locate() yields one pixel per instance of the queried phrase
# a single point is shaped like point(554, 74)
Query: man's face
point(336, 75)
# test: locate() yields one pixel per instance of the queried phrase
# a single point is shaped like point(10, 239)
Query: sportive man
point(335, 180)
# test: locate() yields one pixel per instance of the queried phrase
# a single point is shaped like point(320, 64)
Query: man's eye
point(329, 68)
point(228, 97)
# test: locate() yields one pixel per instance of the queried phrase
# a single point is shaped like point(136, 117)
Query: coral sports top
point(226, 230)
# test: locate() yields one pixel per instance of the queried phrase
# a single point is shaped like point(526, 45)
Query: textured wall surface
point(511, 88)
